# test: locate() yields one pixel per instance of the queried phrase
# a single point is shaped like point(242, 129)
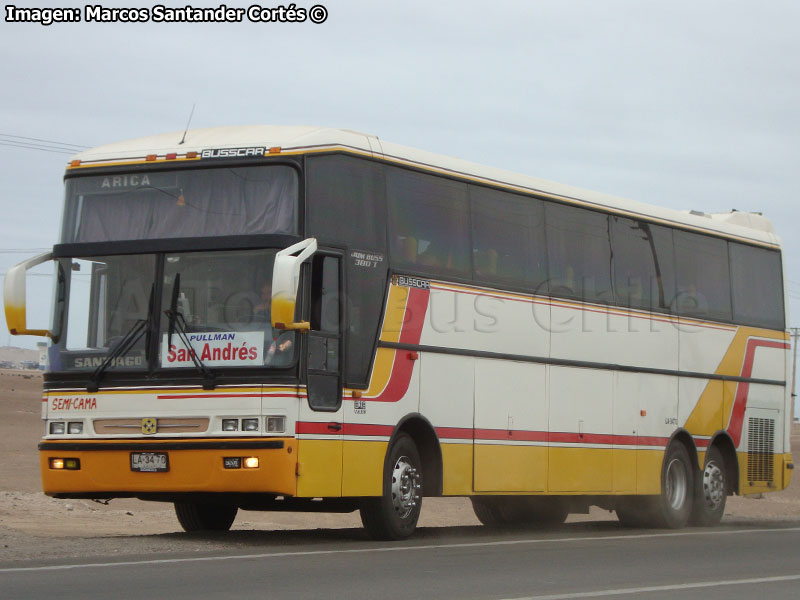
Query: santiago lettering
point(84, 362)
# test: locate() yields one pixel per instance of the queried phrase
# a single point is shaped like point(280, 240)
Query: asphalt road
point(578, 561)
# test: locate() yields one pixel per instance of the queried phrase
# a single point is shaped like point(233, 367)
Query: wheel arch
point(681, 436)
point(722, 441)
point(430, 451)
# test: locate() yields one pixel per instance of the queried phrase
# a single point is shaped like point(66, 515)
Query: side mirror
point(14, 297)
point(285, 279)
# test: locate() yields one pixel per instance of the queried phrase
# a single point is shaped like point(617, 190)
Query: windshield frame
point(153, 372)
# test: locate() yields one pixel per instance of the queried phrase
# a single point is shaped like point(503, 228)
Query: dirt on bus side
point(35, 526)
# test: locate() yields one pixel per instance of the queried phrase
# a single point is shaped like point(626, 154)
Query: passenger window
point(508, 243)
point(644, 266)
point(429, 223)
point(757, 283)
point(704, 288)
point(579, 253)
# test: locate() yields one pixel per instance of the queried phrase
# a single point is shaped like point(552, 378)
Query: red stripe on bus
point(360, 429)
point(544, 436)
point(464, 433)
point(743, 389)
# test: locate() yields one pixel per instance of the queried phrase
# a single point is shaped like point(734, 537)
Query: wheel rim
point(713, 485)
point(405, 487)
point(676, 484)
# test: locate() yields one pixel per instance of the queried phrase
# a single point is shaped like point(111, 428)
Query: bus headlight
point(249, 424)
point(230, 424)
point(276, 424)
point(75, 427)
point(57, 428)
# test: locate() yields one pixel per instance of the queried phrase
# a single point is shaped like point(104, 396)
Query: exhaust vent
point(760, 449)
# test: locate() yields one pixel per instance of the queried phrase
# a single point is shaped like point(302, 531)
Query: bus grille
point(760, 448)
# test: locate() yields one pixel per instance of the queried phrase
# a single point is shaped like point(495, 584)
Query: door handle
point(335, 426)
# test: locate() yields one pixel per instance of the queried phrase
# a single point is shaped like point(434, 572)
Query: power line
point(32, 147)
point(39, 145)
point(22, 137)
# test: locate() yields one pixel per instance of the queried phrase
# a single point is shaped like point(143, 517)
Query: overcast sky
point(686, 104)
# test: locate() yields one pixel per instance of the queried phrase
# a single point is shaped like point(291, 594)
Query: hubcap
point(406, 487)
point(676, 484)
point(713, 485)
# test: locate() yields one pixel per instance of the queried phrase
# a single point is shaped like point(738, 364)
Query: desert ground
point(35, 526)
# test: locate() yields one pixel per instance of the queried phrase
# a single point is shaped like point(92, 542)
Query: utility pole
point(795, 335)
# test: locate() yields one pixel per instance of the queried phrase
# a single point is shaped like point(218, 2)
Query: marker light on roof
point(275, 150)
point(150, 157)
point(191, 155)
point(172, 156)
point(75, 163)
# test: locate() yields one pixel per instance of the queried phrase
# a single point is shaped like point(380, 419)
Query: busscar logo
point(234, 152)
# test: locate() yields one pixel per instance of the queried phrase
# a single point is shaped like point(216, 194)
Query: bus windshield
point(184, 203)
point(218, 305)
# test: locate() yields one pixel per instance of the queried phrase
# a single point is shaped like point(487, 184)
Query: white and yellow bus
point(299, 318)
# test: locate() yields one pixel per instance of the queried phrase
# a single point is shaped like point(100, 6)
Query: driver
point(279, 345)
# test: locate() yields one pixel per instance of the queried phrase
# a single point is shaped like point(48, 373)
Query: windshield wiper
point(122, 347)
point(178, 323)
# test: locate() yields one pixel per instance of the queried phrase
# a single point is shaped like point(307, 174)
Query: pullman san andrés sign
point(215, 349)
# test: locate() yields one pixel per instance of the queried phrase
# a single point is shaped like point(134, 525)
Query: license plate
point(149, 462)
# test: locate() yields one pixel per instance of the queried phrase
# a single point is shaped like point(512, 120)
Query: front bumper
point(195, 465)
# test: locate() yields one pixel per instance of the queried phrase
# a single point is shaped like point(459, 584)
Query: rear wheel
point(394, 515)
point(205, 517)
point(711, 491)
point(673, 507)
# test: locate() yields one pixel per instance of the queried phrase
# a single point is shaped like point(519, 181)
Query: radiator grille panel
point(760, 449)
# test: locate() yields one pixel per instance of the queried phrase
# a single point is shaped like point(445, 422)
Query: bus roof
point(750, 227)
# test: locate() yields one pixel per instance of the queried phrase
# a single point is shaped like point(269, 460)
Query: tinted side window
point(345, 202)
point(508, 243)
point(346, 207)
point(704, 287)
point(757, 283)
point(429, 223)
point(579, 253)
point(644, 267)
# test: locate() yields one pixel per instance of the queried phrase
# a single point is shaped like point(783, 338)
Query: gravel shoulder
point(34, 526)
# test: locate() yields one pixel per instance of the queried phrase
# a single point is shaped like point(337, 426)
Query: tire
point(711, 491)
point(673, 507)
point(489, 512)
point(205, 517)
point(394, 515)
point(519, 511)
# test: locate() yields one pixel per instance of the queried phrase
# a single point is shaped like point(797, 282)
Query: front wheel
point(205, 517)
point(394, 515)
point(711, 491)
